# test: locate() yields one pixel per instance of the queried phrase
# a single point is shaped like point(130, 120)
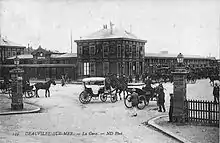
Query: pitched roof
point(5, 42)
point(40, 49)
point(25, 56)
point(107, 33)
point(163, 55)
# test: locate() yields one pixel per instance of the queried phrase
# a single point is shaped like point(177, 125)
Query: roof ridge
point(106, 33)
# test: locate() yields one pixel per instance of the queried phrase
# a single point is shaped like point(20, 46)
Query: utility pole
point(130, 28)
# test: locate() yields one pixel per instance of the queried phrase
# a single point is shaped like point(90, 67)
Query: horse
point(45, 86)
point(118, 84)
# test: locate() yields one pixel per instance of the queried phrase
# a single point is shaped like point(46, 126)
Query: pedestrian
point(216, 93)
point(62, 80)
point(161, 98)
point(134, 102)
point(171, 108)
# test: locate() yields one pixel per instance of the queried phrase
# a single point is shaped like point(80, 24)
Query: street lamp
point(178, 106)
point(180, 58)
point(16, 61)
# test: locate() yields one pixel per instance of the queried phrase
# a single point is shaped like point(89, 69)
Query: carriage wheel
point(84, 97)
point(127, 101)
point(114, 98)
point(142, 102)
point(103, 97)
point(29, 94)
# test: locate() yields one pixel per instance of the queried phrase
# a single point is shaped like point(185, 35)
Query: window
point(112, 49)
point(92, 68)
point(141, 51)
point(126, 50)
point(134, 51)
point(92, 50)
point(137, 51)
point(106, 68)
point(119, 50)
point(137, 67)
point(130, 51)
point(85, 50)
point(80, 50)
point(106, 50)
point(86, 68)
point(80, 68)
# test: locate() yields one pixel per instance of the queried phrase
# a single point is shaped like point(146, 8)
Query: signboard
point(40, 57)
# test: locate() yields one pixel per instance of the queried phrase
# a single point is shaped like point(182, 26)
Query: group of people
point(64, 79)
point(160, 98)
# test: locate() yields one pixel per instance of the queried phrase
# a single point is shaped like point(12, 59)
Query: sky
point(191, 27)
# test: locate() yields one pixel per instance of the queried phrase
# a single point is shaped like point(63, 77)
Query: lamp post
point(17, 96)
point(180, 60)
point(179, 91)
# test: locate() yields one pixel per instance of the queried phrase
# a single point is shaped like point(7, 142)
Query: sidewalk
point(185, 133)
point(5, 107)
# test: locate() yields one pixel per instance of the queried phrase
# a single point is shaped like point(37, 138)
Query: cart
point(94, 87)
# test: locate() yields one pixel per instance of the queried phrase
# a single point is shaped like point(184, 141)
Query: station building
point(43, 64)
point(110, 50)
point(165, 59)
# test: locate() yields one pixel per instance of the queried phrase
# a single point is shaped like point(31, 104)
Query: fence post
point(186, 111)
point(209, 109)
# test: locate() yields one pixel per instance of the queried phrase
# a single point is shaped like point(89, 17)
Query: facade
point(110, 50)
point(163, 59)
point(43, 64)
point(8, 49)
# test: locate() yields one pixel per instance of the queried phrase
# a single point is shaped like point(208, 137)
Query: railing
point(204, 112)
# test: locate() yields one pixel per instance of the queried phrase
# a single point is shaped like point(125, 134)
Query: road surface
point(63, 119)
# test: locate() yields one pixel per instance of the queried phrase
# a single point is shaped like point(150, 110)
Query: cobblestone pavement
point(66, 120)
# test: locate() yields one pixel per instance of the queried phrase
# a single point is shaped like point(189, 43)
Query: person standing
point(62, 80)
point(216, 93)
point(134, 102)
point(161, 98)
point(171, 108)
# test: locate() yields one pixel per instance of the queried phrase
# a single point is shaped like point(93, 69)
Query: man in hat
point(216, 93)
point(161, 98)
point(134, 102)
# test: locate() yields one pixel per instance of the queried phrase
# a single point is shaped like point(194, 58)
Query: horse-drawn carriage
point(5, 87)
point(145, 94)
point(95, 87)
point(27, 89)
